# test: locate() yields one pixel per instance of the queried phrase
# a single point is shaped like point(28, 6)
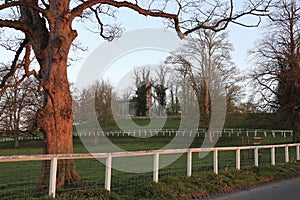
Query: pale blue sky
point(242, 38)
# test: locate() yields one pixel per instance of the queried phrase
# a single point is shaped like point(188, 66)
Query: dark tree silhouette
point(277, 75)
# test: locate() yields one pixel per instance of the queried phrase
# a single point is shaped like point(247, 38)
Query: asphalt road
point(283, 190)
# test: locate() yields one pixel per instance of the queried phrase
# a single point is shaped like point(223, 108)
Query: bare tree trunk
point(296, 125)
point(207, 102)
point(55, 118)
point(207, 111)
point(16, 139)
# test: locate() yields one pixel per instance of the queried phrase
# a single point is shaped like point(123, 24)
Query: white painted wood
point(273, 157)
point(286, 154)
point(156, 167)
point(238, 159)
point(136, 153)
point(216, 161)
point(108, 173)
point(256, 157)
point(52, 181)
point(189, 163)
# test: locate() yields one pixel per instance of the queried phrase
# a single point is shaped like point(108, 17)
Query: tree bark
point(296, 125)
point(17, 142)
point(207, 111)
point(55, 118)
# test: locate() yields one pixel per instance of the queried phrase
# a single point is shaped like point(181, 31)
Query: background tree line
point(203, 60)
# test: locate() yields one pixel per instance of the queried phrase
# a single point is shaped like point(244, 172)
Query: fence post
point(52, 181)
point(216, 161)
point(256, 157)
point(297, 153)
point(273, 157)
point(286, 154)
point(189, 164)
point(238, 159)
point(108, 172)
point(156, 167)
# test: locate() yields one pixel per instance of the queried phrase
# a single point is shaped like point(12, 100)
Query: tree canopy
point(277, 59)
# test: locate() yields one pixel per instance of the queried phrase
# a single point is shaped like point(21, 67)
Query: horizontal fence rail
point(169, 132)
point(198, 132)
point(156, 159)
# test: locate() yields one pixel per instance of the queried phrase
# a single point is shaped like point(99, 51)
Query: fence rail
point(198, 132)
point(167, 132)
point(156, 158)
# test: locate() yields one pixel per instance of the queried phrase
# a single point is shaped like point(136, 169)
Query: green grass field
point(232, 120)
point(18, 178)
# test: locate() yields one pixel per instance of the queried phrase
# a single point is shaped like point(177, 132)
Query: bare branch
point(23, 4)
point(195, 23)
point(27, 62)
point(77, 11)
point(13, 85)
point(113, 33)
point(16, 25)
point(14, 65)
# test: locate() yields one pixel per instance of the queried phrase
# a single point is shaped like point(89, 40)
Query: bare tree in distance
point(277, 59)
point(201, 55)
point(18, 107)
point(99, 95)
point(47, 32)
point(174, 104)
point(205, 59)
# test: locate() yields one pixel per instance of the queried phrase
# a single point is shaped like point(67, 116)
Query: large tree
point(174, 107)
point(205, 59)
point(277, 72)
point(100, 95)
point(48, 34)
point(160, 88)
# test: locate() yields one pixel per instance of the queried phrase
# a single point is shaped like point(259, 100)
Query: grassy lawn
point(232, 120)
point(18, 178)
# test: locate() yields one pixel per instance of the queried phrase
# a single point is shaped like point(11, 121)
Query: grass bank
point(195, 187)
point(17, 178)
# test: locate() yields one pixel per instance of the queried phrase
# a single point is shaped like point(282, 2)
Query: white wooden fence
point(171, 132)
point(156, 153)
point(198, 132)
